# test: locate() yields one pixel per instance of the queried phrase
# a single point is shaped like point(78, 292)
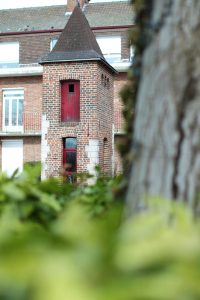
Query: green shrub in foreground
point(71, 250)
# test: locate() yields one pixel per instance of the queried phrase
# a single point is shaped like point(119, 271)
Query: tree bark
point(166, 141)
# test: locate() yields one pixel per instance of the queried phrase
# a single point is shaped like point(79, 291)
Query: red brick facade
point(31, 136)
point(96, 116)
point(33, 110)
point(35, 45)
point(32, 149)
point(32, 105)
point(119, 82)
point(101, 121)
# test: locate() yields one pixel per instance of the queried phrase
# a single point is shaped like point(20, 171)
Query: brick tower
point(77, 116)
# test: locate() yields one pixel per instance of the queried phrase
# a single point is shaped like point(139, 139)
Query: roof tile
point(76, 42)
point(55, 17)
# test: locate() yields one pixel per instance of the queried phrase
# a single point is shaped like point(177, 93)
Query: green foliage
point(60, 241)
point(31, 198)
point(99, 197)
point(43, 201)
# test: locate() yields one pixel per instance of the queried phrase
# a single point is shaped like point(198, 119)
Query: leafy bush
point(31, 198)
point(72, 242)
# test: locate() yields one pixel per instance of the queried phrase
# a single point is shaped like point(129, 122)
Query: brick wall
point(105, 118)
point(34, 46)
point(119, 82)
point(32, 110)
point(33, 103)
point(32, 149)
point(32, 99)
point(95, 115)
point(31, 46)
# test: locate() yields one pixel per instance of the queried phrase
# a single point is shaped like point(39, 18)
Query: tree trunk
point(166, 138)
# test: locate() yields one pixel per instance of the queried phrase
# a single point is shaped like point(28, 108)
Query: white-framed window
point(13, 110)
point(9, 54)
point(110, 47)
point(53, 43)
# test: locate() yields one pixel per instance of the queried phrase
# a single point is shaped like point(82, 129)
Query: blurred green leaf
point(60, 241)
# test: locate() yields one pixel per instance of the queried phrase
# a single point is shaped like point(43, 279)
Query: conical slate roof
point(76, 42)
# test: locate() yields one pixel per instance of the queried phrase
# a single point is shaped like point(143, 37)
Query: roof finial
point(78, 3)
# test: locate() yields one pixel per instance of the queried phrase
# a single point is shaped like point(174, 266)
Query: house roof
point(77, 35)
point(109, 14)
point(55, 17)
point(76, 42)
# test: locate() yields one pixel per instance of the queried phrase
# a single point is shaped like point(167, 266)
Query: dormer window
point(9, 54)
point(110, 47)
point(53, 43)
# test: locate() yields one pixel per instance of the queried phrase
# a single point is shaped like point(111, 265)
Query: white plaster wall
point(44, 146)
point(92, 151)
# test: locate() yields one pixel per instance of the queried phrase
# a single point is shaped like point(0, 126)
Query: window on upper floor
point(53, 43)
point(13, 110)
point(110, 47)
point(70, 101)
point(9, 54)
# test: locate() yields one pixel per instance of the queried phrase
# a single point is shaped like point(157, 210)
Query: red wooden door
point(70, 101)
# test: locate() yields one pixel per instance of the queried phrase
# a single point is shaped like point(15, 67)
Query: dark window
point(108, 83)
point(102, 78)
point(70, 101)
point(71, 88)
point(70, 155)
point(71, 161)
